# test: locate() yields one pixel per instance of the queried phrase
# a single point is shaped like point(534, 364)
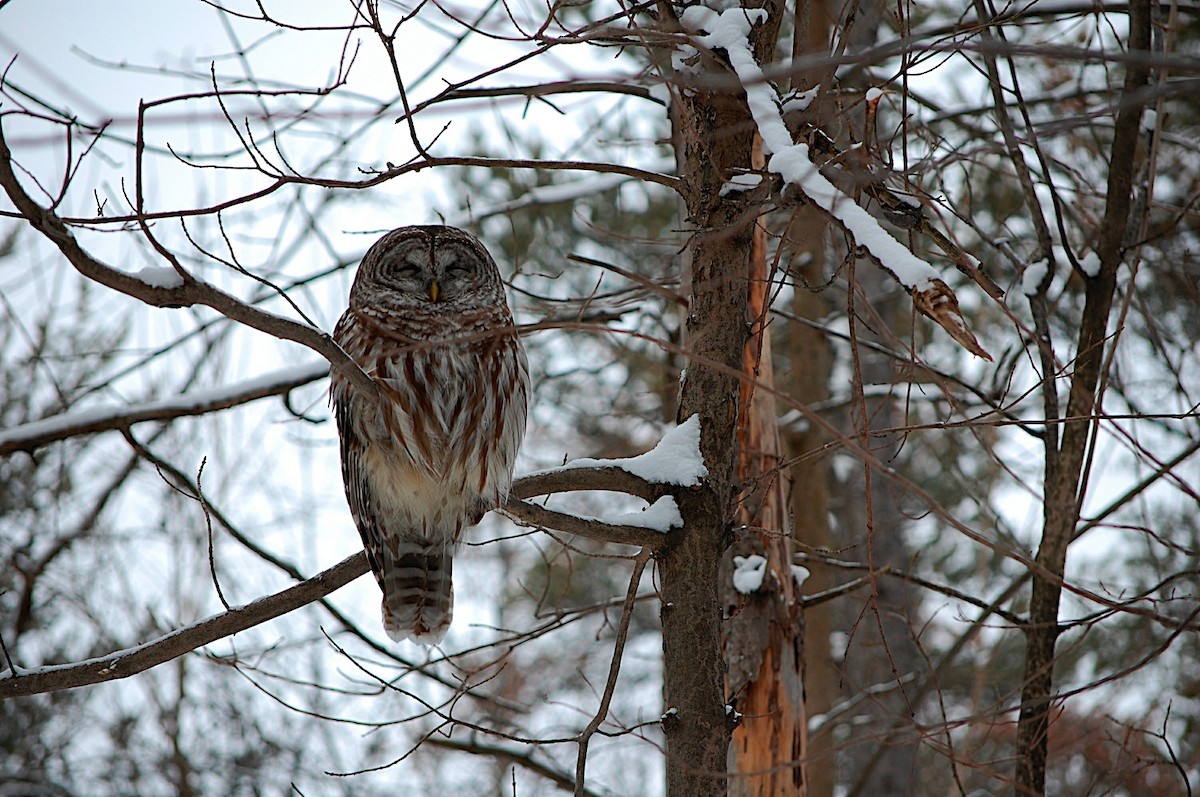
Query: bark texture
point(714, 137)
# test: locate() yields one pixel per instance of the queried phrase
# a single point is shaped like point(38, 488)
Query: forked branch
point(183, 290)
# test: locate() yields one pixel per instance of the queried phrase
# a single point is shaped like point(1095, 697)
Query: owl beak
point(434, 290)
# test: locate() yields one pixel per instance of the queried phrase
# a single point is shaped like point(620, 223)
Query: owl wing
point(360, 422)
point(354, 474)
point(415, 575)
point(390, 362)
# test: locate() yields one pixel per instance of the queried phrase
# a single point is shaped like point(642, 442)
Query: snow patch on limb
point(1032, 276)
point(663, 515)
point(748, 573)
point(89, 420)
point(729, 30)
point(795, 167)
point(799, 101)
point(675, 460)
point(159, 277)
point(741, 182)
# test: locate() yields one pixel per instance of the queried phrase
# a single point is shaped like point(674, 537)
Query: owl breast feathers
point(428, 321)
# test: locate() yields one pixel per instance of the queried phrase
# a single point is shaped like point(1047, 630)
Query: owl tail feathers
point(417, 598)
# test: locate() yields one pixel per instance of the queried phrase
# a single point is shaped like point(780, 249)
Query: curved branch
point(16, 682)
point(537, 90)
point(568, 480)
point(378, 177)
point(500, 753)
point(188, 291)
point(593, 529)
point(124, 663)
point(33, 435)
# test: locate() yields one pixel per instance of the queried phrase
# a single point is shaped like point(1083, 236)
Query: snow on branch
point(29, 436)
point(729, 30)
point(552, 194)
point(675, 460)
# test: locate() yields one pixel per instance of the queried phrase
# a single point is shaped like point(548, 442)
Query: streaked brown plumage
point(428, 321)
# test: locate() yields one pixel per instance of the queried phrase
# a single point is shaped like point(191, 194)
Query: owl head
point(433, 267)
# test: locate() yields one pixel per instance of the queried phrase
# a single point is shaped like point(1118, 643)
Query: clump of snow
point(839, 641)
point(748, 572)
point(874, 93)
point(1090, 264)
point(159, 277)
point(675, 460)
point(663, 515)
point(1033, 275)
point(682, 59)
point(800, 575)
point(1149, 120)
point(722, 19)
point(799, 101)
point(741, 182)
point(728, 30)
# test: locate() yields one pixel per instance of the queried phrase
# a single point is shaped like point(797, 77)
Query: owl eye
point(406, 270)
point(458, 270)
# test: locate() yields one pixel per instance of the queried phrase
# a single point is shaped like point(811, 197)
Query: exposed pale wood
point(764, 636)
point(713, 138)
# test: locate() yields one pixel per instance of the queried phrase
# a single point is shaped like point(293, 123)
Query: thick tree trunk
point(696, 725)
point(714, 136)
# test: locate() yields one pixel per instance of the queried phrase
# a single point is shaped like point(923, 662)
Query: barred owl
point(428, 321)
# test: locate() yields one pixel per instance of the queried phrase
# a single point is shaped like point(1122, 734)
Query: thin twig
point(614, 671)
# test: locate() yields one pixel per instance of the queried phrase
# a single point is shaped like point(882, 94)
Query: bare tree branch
point(539, 516)
point(124, 663)
point(189, 293)
point(614, 670)
point(525, 760)
point(30, 436)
